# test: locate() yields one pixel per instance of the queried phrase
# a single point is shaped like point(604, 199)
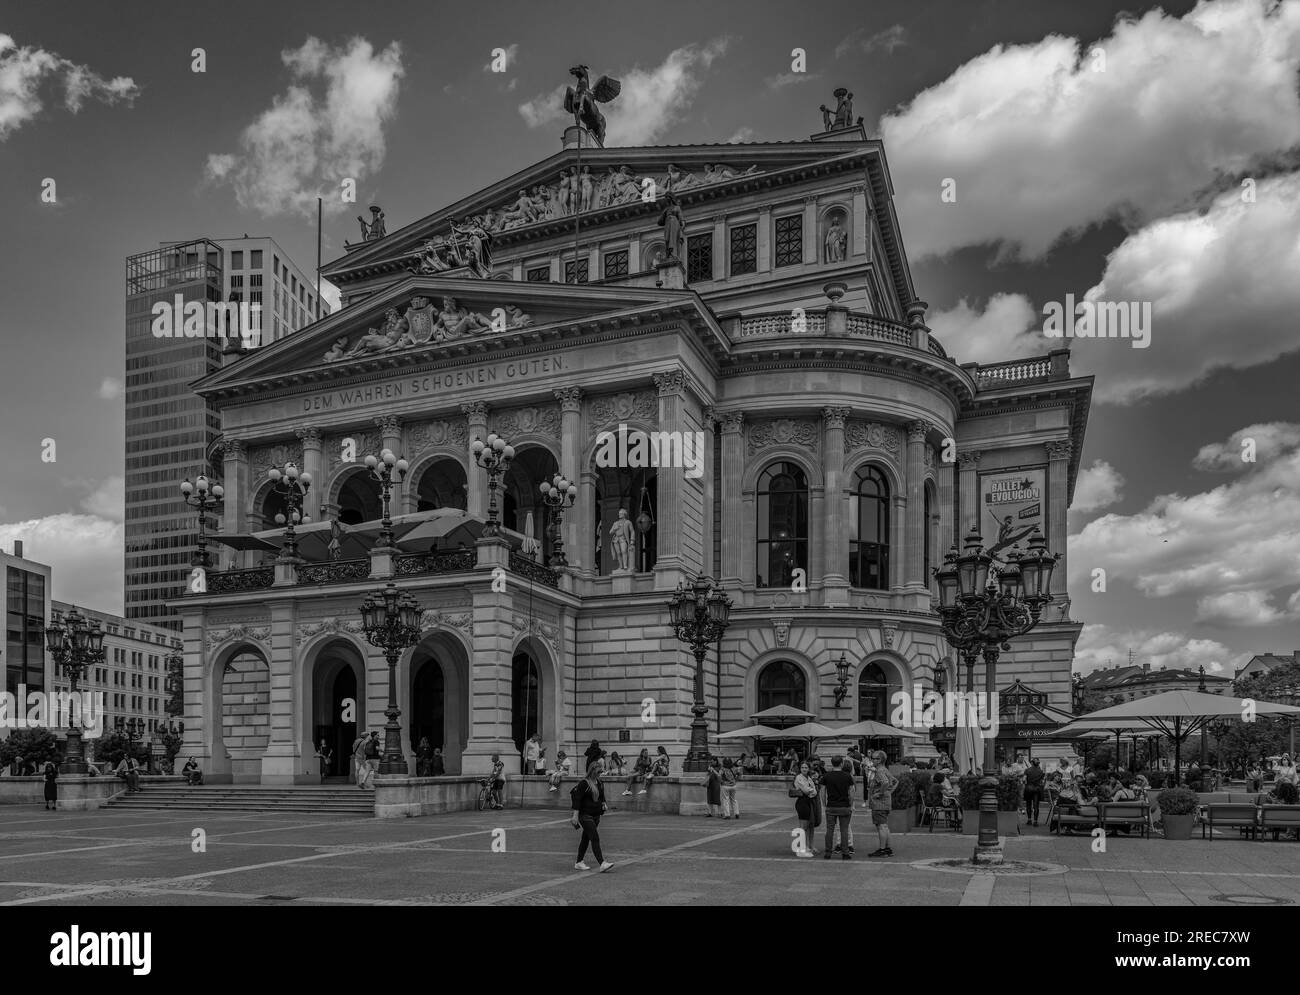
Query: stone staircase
point(347, 801)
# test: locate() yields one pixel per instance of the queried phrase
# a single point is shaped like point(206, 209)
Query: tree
point(37, 745)
point(113, 746)
point(172, 743)
point(1085, 699)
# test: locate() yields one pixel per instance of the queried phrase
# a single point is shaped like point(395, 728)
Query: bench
point(1278, 818)
point(1126, 813)
point(1229, 815)
point(1086, 816)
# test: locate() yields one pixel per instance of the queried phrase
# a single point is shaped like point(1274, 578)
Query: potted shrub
point(1178, 812)
point(903, 814)
point(1010, 796)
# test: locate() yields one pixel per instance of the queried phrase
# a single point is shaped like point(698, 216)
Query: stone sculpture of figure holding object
point(670, 220)
point(455, 321)
point(836, 241)
point(620, 541)
point(376, 229)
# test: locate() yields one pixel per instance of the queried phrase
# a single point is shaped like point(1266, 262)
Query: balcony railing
point(766, 326)
point(534, 571)
point(334, 572)
point(864, 326)
point(443, 562)
point(1024, 371)
point(228, 581)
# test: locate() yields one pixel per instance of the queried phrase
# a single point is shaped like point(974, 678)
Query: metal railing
point(228, 581)
point(334, 572)
point(526, 567)
point(442, 562)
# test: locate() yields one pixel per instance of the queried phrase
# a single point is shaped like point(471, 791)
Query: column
point(1058, 480)
point(968, 494)
point(576, 552)
point(235, 478)
point(585, 516)
point(671, 482)
point(733, 468)
point(945, 475)
point(313, 463)
point(897, 541)
point(476, 413)
point(915, 533)
point(835, 536)
point(765, 240)
point(810, 230)
point(860, 237)
point(390, 426)
point(719, 247)
point(708, 422)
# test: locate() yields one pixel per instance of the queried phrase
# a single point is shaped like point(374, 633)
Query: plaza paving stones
point(145, 859)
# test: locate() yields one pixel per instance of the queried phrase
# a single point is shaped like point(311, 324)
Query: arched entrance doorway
point(337, 708)
point(438, 689)
point(875, 691)
point(525, 698)
point(246, 713)
point(428, 701)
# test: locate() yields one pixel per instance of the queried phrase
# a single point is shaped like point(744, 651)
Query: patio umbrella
point(757, 732)
point(449, 524)
point(782, 712)
point(1176, 714)
point(240, 541)
point(807, 730)
point(872, 729)
point(968, 748)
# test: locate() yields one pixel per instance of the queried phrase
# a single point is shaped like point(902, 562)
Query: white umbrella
point(758, 732)
point(782, 712)
point(876, 730)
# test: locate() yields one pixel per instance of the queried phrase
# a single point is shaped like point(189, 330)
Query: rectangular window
point(744, 249)
point(582, 270)
point(538, 274)
point(616, 263)
point(789, 240)
point(255, 259)
point(699, 258)
point(236, 259)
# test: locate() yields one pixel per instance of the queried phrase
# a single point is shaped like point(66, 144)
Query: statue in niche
point(584, 188)
point(670, 220)
point(620, 542)
point(376, 229)
point(837, 240)
point(580, 101)
point(455, 321)
point(562, 197)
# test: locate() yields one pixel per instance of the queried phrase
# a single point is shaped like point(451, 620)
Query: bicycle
point(484, 793)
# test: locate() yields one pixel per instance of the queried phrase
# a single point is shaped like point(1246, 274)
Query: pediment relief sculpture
point(425, 322)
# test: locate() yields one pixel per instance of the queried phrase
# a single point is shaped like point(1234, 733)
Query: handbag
point(795, 792)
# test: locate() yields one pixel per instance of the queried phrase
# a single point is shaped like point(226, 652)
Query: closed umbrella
point(968, 748)
point(531, 546)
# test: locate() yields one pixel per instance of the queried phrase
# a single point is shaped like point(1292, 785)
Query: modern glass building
point(27, 602)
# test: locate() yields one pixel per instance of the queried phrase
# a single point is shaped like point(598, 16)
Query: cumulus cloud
point(1101, 646)
point(23, 71)
point(1234, 548)
point(85, 552)
point(894, 36)
point(108, 499)
point(1098, 486)
point(1003, 330)
point(743, 134)
point(110, 388)
point(1270, 439)
point(1028, 132)
point(651, 100)
point(1192, 268)
point(783, 80)
point(304, 145)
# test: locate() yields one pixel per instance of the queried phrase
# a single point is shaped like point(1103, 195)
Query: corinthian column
point(914, 536)
point(968, 465)
point(835, 546)
point(576, 552)
point(1058, 485)
point(671, 482)
point(476, 413)
point(235, 479)
point(733, 468)
point(312, 463)
point(390, 427)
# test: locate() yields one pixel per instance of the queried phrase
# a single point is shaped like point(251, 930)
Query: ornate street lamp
point(291, 486)
point(205, 497)
point(75, 646)
point(494, 456)
point(842, 675)
point(381, 471)
point(558, 495)
point(981, 614)
point(699, 616)
point(391, 620)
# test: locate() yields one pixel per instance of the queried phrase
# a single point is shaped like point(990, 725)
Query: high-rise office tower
point(27, 606)
point(170, 431)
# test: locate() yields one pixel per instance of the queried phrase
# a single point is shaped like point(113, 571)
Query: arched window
point(873, 694)
point(782, 525)
point(781, 683)
point(869, 530)
point(442, 485)
point(636, 491)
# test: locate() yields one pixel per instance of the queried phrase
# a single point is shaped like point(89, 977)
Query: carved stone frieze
point(860, 434)
point(642, 405)
point(541, 419)
point(215, 637)
point(438, 432)
point(801, 432)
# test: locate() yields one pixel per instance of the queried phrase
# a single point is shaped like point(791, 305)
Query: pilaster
point(914, 536)
point(733, 468)
point(834, 534)
point(476, 415)
point(576, 553)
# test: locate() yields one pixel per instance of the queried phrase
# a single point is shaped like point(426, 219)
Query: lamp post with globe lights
point(75, 644)
point(558, 494)
point(204, 496)
point(981, 608)
point(391, 620)
point(494, 456)
point(699, 616)
point(291, 486)
point(382, 469)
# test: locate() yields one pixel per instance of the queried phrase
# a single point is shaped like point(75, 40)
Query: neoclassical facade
point(842, 450)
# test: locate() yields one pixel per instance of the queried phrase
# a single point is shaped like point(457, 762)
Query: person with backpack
point(1034, 777)
point(588, 797)
point(880, 799)
point(730, 806)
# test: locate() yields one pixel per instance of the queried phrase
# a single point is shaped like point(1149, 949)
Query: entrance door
point(338, 734)
point(427, 706)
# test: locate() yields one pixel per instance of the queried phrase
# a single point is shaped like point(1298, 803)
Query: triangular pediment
point(424, 320)
point(613, 184)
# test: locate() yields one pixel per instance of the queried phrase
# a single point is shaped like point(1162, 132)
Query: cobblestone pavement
point(147, 858)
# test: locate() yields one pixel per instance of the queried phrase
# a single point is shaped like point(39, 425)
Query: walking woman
point(588, 806)
point(51, 785)
point(805, 796)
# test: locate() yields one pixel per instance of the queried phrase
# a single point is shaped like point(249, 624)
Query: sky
point(1107, 151)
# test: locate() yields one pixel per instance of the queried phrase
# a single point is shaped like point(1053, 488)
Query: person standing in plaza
point(1033, 791)
point(838, 784)
point(51, 785)
point(423, 754)
point(805, 792)
point(324, 754)
point(359, 759)
point(497, 781)
point(730, 774)
point(588, 806)
point(437, 766)
point(880, 799)
point(713, 787)
point(532, 750)
point(372, 757)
